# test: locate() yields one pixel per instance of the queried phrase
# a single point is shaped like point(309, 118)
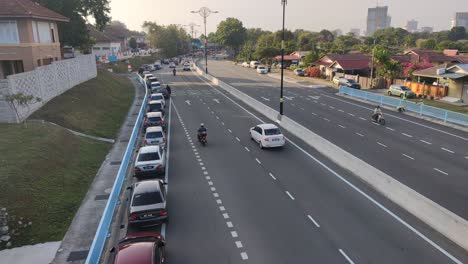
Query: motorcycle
point(202, 138)
point(379, 119)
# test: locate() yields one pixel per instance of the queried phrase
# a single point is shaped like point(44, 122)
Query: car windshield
point(155, 107)
point(156, 97)
point(261, 67)
point(154, 119)
point(157, 134)
point(272, 132)
point(147, 198)
point(148, 156)
point(404, 88)
point(351, 81)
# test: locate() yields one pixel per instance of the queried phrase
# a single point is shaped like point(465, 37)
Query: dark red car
point(140, 248)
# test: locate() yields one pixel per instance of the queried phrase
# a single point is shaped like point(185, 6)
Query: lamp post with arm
point(283, 2)
point(205, 12)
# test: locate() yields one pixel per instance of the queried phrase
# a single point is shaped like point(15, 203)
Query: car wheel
point(260, 144)
point(390, 93)
point(251, 136)
point(401, 96)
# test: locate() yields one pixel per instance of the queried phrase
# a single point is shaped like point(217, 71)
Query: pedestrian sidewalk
point(79, 237)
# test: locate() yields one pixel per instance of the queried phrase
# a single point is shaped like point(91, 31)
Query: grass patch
point(136, 62)
point(96, 107)
point(45, 172)
point(439, 104)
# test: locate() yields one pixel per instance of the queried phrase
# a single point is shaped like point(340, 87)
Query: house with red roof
point(28, 36)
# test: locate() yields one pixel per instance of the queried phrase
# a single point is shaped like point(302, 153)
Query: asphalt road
point(430, 158)
point(230, 202)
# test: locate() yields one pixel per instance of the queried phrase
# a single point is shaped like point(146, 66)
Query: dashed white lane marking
point(239, 244)
point(383, 145)
point(315, 101)
point(199, 159)
point(466, 157)
point(331, 107)
point(222, 123)
point(219, 201)
point(350, 114)
point(326, 119)
point(407, 135)
point(234, 234)
point(196, 153)
point(409, 157)
point(339, 110)
point(323, 104)
point(221, 208)
point(213, 189)
point(426, 142)
point(259, 162)
point(203, 168)
point(359, 134)
point(230, 131)
point(341, 126)
point(346, 256)
point(237, 139)
point(229, 224)
point(448, 150)
point(208, 177)
point(216, 195)
point(389, 128)
point(362, 118)
point(205, 172)
point(290, 196)
point(226, 216)
point(314, 114)
point(210, 183)
point(217, 117)
point(272, 176)
point(244, 256)
point(246, 148)
point(441, 171)
point(313, 221)
point(201, 163)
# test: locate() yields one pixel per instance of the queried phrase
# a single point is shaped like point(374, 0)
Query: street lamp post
point(205, 12)
point(283, 2)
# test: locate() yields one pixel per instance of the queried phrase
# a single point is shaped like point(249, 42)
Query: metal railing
point(419, 108)
point(103, 230)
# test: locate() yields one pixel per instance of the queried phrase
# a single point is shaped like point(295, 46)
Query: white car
point(262, 69)
point(157, 97)
point(245, 64)
point(186, 67)
point(147, 76)
point(172, 65)
point(267, 136)
point(254, 64)
point(155, 136)
point(150, 162)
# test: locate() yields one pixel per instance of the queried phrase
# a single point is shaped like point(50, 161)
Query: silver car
point(148, 203)
point(400, 90)
point(155, 136)
point(150, 162)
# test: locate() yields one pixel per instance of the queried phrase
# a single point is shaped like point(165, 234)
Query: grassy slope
point(96, 107)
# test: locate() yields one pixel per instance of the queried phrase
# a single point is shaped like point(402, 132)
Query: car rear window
point(155, 107)
point(148, 156)
point(146, 198)
point(272, 132)
point(404, 88)
point(154, 119)
point(157, 134)
point(156, 97)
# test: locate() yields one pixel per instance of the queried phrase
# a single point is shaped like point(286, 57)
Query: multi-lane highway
point(430, 158)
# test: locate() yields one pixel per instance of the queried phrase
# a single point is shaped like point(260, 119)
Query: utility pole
point(205, 12)
point(372, 66)
point(283, 2)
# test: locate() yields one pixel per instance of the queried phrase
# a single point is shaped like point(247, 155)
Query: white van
point(254, 64)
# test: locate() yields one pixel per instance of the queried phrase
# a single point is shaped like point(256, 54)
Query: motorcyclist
point(168, 88)
point(201, 130)
point(377, 112)
point(174, 72)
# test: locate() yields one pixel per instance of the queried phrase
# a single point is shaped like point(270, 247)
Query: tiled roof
point(98, 35)
point(287, 57)
point(27, 9)
point(430, 55)
point(450, 52)
point(461, 58)
point(353, 64)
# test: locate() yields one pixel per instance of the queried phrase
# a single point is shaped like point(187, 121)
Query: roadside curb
point(439, 218)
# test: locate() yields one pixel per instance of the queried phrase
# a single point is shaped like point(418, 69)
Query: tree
point(74, 33)
point(428, 44)
point(231, 33)
point(457, 33)
point(20, 100)
point(132, 43)
point(325, 36)
point(172, 39)
point(311, 57)
point(386, 67)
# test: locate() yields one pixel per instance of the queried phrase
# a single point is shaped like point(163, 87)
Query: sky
point(311, 15)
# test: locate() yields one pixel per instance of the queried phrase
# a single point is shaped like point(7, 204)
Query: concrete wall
point(45, 82)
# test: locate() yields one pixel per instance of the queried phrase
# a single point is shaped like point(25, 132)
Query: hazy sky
point(267, 14)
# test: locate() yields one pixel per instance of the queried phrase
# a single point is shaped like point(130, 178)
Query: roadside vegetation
point(135, 62)
point(96, 107)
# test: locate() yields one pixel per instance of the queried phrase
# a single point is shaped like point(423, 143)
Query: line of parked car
point(341, 81)
point(147, 198)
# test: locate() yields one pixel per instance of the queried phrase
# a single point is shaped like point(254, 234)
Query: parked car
point(172, 65)
point(400, 90)
point(186, 67)
point(151, 80)
point(254, 64)
point(146, 76)
point(154, 119)
point(154, 135)
point(141, 70)
point(157, 66)
point(150, 162)
point(245, 64)
point(262, 69)
point(148, 203)
point(162, 90)
point(158, 96)
point(154, 86)
point(299, 72)
point(156, 106)
point(350, 83)
point(267, 135)
point(142, 247)
point(336, 80)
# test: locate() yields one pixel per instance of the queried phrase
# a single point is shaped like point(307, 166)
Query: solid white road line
point(239, 244)
point(443, 172)
point(409, 157)
point(448, 150)
point(272, 176)
point(423, 141)
point(383, 145)
point(341, 126)
point(290, 196)
point(352, 186)
point(244, 256)
point(346, 256)
point(404, 134)
point(229, 224)
point(259, 162)
point(246, 148)
point(389, 128)
point(234, 234)
point(313, 221)
point(359, 134)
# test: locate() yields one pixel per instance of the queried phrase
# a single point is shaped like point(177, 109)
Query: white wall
point(45, 82)
point(106, 48)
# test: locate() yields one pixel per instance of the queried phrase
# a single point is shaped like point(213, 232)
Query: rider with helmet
point(201, 130)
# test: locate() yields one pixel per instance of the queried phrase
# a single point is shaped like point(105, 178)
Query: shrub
point(315, 72)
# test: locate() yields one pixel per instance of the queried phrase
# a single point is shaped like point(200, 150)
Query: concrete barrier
point(439, 218)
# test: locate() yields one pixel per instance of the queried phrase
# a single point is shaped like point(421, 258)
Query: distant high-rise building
point(337, 32)
point(460, 20)
point(411, 26)
point(377, 18)
point(427, 29)
point(356, 32)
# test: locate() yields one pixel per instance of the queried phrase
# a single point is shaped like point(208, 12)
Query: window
point(148, 156)
point(96, 48)
point(147, 198)
point(157, 134)
point(44, 32)
point(35, 32)
point(52, 35)
point(155, 119)
point(9, 32)
point(105, 48)
point(39, 62)
point(272, 131)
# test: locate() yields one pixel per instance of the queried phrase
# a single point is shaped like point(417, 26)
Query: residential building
point(300, 54)
point(460, 20)
point(28, 36)
point(377, 18)
point(411, 26)
point(356, 32)
point(427, 29)
point(344, 63)
point(105, 45)
point(430, 56)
